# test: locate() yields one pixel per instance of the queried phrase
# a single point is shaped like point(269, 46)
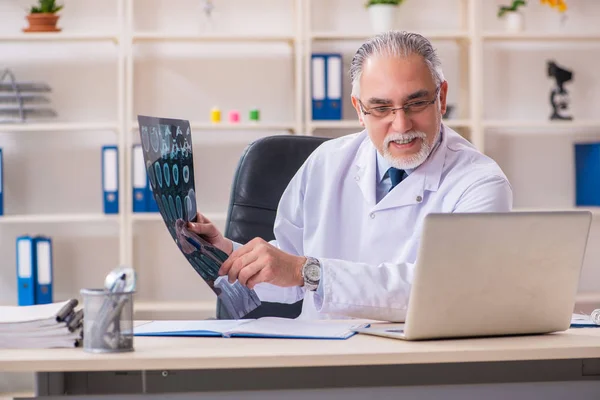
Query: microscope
point(559, 97)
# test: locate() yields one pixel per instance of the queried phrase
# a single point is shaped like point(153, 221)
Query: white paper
point(284, 327)
point(41, 312)
point(582, 319)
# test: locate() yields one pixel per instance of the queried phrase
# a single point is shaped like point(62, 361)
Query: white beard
point(407, 162)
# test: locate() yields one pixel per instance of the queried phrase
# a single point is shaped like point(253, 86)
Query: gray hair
point(399, 44)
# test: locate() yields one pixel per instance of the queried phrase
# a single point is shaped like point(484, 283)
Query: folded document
point(267, 327)
point(41, 326)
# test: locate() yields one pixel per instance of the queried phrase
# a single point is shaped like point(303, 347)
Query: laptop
point(494, 274)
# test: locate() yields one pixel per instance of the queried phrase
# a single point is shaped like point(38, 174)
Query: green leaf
point(513, 7)
point(46, 6)
point(392, 2)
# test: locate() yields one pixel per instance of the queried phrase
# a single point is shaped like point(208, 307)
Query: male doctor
point(349, 223)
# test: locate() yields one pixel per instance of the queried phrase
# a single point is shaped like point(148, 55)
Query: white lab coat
point(368, 250)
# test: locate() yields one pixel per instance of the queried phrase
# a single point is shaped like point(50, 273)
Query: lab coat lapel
point(365, 174)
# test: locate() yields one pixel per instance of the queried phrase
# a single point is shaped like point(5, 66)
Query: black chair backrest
point(263, 173)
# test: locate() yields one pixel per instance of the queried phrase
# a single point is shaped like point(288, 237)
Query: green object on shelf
point(254, 115)
point(390, 2)
point(46, 6)
point(512, 8)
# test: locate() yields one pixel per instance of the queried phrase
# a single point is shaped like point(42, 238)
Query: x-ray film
point(169, 160)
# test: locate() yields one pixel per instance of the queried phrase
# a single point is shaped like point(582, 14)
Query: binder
point(26, 270)
point(587, 174)
point(318, 87)
point(44, 270)
point(326, 74)
point(110, 179)
point(140, 180)
point(1, 184)
point(333, 104)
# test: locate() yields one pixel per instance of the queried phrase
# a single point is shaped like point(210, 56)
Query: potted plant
point(42, 17)
point(513, 18)
point(382, 14)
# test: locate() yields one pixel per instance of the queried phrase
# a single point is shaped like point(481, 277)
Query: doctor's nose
point(401, 122)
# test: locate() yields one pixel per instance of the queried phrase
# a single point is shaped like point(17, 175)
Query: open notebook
point(267, 327)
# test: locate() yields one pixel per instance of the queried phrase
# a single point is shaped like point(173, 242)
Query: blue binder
point(110, 179)
point(333, 104)
point(139, 180)
point(326, 75)
point(587, 174)
point(1, 184)
point(26, 270)
point(44, 270)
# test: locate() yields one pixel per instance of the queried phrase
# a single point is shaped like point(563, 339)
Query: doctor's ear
point(443, 96)
point(358, 111)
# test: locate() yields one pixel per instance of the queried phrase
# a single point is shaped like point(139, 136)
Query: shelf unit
point(237, 38)
point(471, 38)
point(60, 127)
point(62, 37)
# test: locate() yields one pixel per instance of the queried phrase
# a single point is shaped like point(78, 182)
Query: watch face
point(313, 273)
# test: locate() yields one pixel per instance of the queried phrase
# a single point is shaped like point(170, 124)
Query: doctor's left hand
point(258, 261)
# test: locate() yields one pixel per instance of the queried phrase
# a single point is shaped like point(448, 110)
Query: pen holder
point(107, 321)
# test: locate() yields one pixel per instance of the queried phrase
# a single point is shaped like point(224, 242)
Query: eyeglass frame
point(367, 111)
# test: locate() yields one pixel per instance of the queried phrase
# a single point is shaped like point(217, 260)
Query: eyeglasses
point(409, 109)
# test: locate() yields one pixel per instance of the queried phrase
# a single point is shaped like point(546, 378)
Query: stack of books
point(41, 326)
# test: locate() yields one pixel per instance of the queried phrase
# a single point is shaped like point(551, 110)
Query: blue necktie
point(396, 176)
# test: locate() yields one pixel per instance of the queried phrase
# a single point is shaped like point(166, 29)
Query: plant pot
point(382, 16)
point(514, 22)
point(42, 22)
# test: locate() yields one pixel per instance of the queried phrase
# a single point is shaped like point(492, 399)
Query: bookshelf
point(146, 51)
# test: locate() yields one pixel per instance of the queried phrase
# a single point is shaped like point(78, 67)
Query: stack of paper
point(266, 327)
point(41, 326)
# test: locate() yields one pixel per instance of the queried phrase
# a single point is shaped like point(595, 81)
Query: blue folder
point(326, 81)
point(44, 270)
point(110, 179)
point(139, 180)
point(26, 273)
point(587, 174)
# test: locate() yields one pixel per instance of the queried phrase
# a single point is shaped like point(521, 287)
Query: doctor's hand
point(210, 232)
point(258, 261)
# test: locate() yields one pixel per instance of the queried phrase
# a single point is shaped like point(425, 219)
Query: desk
point(176, 365)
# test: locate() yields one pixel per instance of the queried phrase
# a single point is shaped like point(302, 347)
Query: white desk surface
point(152, 353)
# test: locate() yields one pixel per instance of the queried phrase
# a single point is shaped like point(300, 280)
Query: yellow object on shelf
point(215, 115)
point(560, 5)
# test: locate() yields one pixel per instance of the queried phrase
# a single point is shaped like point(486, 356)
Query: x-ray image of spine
point(168, 156)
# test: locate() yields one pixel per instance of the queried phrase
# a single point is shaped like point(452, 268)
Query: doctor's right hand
point(205, 228)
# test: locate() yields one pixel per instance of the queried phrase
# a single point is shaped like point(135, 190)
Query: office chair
point(263, 172)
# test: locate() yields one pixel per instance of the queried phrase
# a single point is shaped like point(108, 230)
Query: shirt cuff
point(320, 292)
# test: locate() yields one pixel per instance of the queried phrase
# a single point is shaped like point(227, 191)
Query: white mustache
point(404, 136)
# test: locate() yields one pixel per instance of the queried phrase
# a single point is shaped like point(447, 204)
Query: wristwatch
point(311, 273)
